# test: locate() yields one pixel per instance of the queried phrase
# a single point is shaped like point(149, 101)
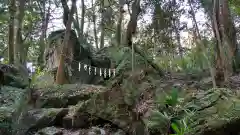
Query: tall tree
point(45, 20)
point(82, 19)
point(131, 31)
point(225, 34)
point(176, 26)
point(119, 22)
point(94, 25)
point(61, 76)
point(19, 39)
point(102, 36)
point(12, 10)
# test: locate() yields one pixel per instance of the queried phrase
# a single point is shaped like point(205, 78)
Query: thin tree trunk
point(45, 21)
point(177, 32)
point(12, 10)
point(82, 18)
point(218, 65)
point(119, 25)
point(131, 30)
point(75, 21)
point(94, 26)
point(95, 31)
point(77, 25)
point(102, 32)
point(26, 46)
point(61, 76)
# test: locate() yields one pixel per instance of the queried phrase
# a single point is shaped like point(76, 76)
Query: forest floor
point(132, 103)
point(138, 102)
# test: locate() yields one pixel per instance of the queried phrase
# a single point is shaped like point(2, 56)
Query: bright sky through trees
point(57, 23)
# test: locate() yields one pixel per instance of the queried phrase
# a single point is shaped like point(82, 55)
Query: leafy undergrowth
point(214, 111)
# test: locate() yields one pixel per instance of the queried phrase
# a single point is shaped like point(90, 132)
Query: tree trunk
point(82, 18)
point(119, 25)
point(132, 24)
point(19, 40)
point(94, 26)
point(131, 30)
point(12, 10)
point(61, 76)
point(102, 31)
point(45, 21)
point(177, 32)
point(77, 24)
point(225, 34)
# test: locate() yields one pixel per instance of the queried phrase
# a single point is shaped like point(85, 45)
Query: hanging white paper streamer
point(109, 72)
point(114, 72)
point(105, 72)
point(95, 71)
point(85, 67)
point(89, 70)
point(79, 66)
point(100, 72)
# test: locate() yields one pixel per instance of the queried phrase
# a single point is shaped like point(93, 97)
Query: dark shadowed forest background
point(120, 67)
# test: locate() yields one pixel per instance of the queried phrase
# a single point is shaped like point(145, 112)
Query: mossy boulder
point(124, 103)
point(36, 119)
point(10, 100)
point(42, 80)
point(15, 76)
point(57, 96)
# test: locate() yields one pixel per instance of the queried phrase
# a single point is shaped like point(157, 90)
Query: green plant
point(181, 128)
point(170, 114)
point(172, 99)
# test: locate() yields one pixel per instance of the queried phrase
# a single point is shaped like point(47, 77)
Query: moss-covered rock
point(74, 120)
point(36, 119)
point(57, 96)
point(218, 112)
point(5, 120)
point(43, 80)
point(10, 100)
point(15, 76)
point(211, 112)
point(50, 131)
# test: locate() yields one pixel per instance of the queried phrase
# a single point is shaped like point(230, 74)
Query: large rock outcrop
point(76, 53)
point(127, 105)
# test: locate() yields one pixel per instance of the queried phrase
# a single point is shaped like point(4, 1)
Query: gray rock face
point(36, 119)
point(76, 53)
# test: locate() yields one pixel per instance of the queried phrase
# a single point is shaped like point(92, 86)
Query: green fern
point(172, 100)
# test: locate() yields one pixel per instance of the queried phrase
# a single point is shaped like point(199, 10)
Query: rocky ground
point(134, 103)
point(122, 107)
